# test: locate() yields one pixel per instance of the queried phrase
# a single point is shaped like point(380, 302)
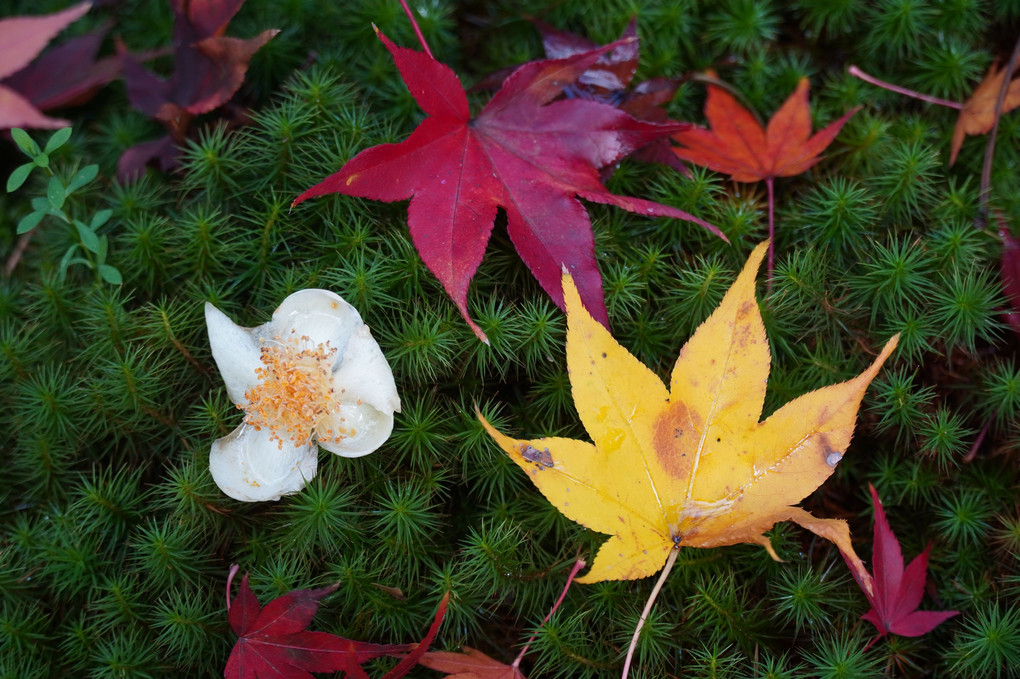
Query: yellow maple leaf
point(691, 464)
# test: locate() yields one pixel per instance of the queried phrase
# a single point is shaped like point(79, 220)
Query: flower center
point(294, 392)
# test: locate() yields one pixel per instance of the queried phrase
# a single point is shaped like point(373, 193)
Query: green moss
point(116, 542)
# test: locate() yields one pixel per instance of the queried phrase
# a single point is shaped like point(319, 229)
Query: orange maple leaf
point(471, 664)
point(739, 146)
point(689, 464)
point(978, 113)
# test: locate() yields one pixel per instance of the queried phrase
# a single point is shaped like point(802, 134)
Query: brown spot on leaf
point(673, 438)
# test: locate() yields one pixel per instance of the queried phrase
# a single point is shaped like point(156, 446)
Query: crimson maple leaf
point(897, 592)
point(739, 146)
point(272, 642)
point(526, 153)
point(21, 40)
point(209, 69)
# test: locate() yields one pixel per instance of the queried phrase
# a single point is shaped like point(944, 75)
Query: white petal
point(364, 374)
point(321, 315)
point(236, 351)
point(249, 466)
point(371, 428)
point(368, 398)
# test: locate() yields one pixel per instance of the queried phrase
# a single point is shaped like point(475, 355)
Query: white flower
point(313, 376)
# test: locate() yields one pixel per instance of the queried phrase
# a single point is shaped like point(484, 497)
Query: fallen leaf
point(737, 144)
point(690, 465)
point(609, 81)
point(273, 642)
point(67, 75)
point(526, 153)
point(896, 592)
point(470, 664)
point(209, 68)
point(978, 113)
point(22, 38)
point(1009, 275)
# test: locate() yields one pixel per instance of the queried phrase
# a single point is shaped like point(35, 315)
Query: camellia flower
point(313, 376)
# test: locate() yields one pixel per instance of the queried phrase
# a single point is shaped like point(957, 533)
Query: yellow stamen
point(294, 393)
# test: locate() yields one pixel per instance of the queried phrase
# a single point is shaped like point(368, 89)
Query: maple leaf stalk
point(414, 25)
point(648, 609)
point(986, 167)
point(578, 565)
point(858, 73)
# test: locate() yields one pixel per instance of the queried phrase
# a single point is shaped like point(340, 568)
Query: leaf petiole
point(578, 565)
point(648, 608)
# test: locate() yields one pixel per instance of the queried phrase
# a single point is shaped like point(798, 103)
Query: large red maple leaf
point(526, 153)
point(897, 591)
point(273, 642)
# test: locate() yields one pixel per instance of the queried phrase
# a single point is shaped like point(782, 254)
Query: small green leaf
point(18, 177)
point(24, 142)
point(100, 218)
point(42, 160)
point(104, 245)
point(55, 193)
point(66, 260)
point(89, 239)
point(40, 203)
point(58, 139)
point(83, 177)
point(29, 221)
point(110, 274)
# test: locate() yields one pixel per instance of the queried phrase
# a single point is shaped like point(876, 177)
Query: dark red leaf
point(22, 38)
point(209, 68)
point(526, 153)
point(1009, 272)
point(897, 592)
point(67, 75)
point(273, 642)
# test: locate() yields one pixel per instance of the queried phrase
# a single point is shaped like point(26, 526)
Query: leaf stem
point(648, 608)
point(417, 31)
point(986, 167)
point(230, 579)
point(858, 73)
point(578, 565)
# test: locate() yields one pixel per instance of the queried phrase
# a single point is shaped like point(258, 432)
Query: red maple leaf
point(897, 591)
point(67, 75)
point(22, 38)
point(209, 69)
point(471, 664)
point(272, 642)
point(1009, 275)
point(739, 146)
point(526, 153)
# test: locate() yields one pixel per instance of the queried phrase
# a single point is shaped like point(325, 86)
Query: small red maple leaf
point(897, 591)
point(22, 38)
point(209, 68)
point(525, 152)
point(739, 146)
point(273, 642)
